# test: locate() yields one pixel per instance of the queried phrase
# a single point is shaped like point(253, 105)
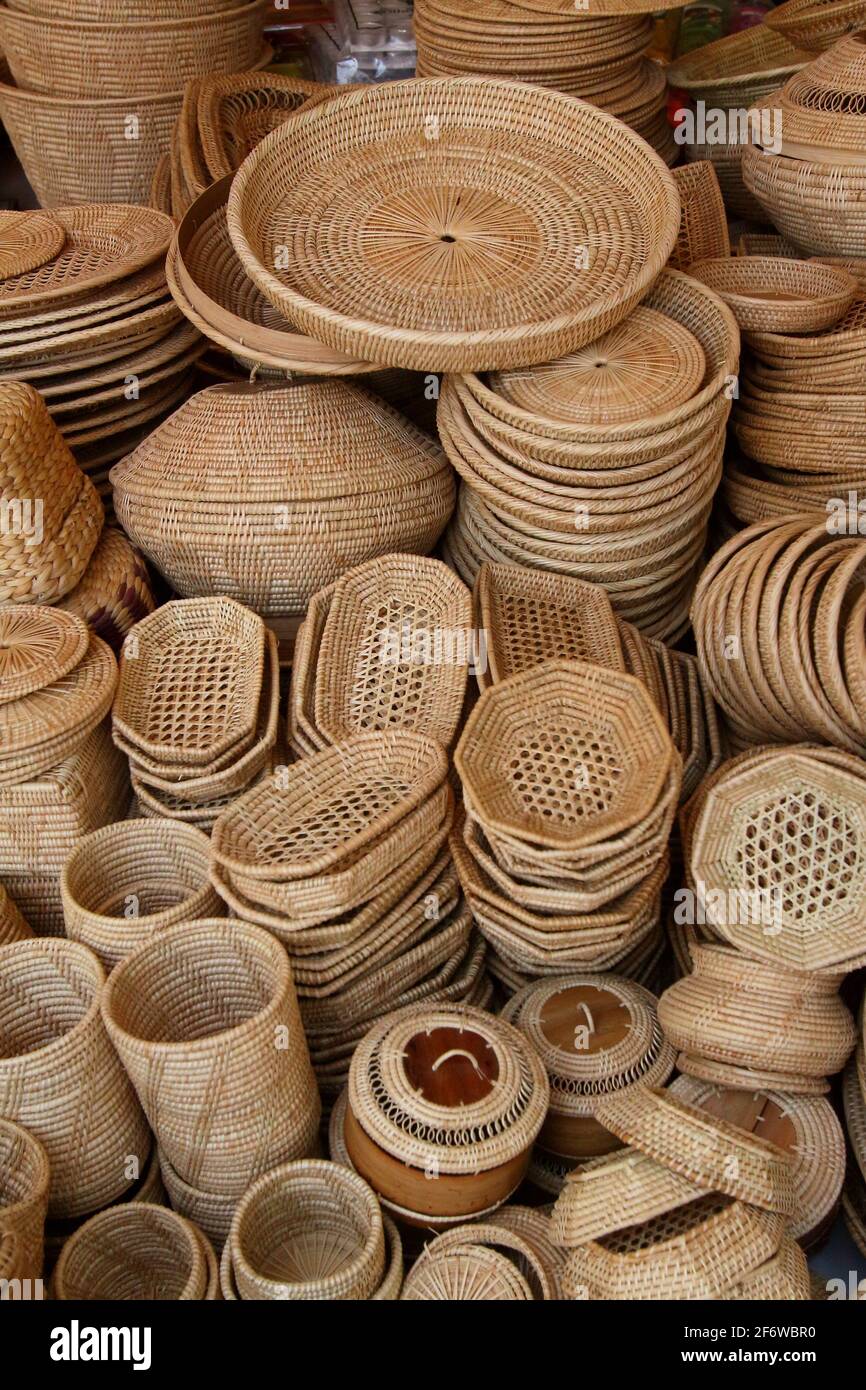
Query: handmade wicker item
point(136, 1252)
point(778, 294)
point(24, 1180)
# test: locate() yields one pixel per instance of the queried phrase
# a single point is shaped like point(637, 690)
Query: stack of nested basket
point(854, 1098)
point(389, 645)
point(86, 318)
point(205, 1020)
point(725, 80)
point(140, 1251)
point(599, 56)
point(570, 785)
point(443, 1105)
point(267, 493)
point(94, 95)
point(693, 1208)
point(344, 857)
point(602, 463)
point(811, 183)
point(596, 1035)
point(526, 617)
point(197, 707)
point(780, 625)
point(311, 1230)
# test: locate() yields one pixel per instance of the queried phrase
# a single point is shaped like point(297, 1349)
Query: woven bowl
point(777, 294)
point(205, 1019)
point(306, 1231)
point(126, 882)
point(703, 220)
point(739, 69)
point(819, 207)
point(136, 1252)
point(417, 303)
point(816, 24)
point(24, 1179)
point(59, 1076)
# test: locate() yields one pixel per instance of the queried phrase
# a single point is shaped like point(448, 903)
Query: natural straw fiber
point(38, 646)
point(12, 924)
point(470, 1273)
point(777, 294)
point(24, 1179)
point(210, 1211)
point(115, 590)
point(703, 222)
point(27, 242)
point(615, 1192)
point(136, 1252)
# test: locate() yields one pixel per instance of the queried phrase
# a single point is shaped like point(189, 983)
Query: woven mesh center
point(566, 775)
point(667, 1227)
point(391, 692)
point(804, 848)
point(535, 630)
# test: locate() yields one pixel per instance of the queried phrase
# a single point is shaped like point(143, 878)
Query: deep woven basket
point(139, 1251)
point(24, 1180)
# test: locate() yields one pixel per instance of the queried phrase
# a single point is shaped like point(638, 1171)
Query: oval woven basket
point(819, 207)
point(124, 883)
point(136, 1252)
point(416, 302)
point(24, 1180)
point(205, 1019)
point(308, 1231)
point(60, 1077)
point(778, 294)
point(739, 69)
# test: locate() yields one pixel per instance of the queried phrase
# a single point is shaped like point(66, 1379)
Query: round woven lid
point(81, 697)
point(38, 646)
point(436, 223)
point(449, 1089)
point(806, 1127)
point(565, 754)
point(595, 1034)
point(644, 366)
point(466, 1274)
point(711, 1153)
point(799, 841)
point(27, 241)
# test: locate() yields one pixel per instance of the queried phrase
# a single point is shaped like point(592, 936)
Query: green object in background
point(702, 24)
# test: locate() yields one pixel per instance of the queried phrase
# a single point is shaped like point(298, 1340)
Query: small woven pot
point(128, 881)
point(59, 1076)
point(308, 1231)
point(12, 924)
point(24, 1181)
point(205, 1019)
point(136, 1252)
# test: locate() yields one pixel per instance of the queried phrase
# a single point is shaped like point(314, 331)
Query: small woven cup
point(309, 1230)
point(23, 1202)
point(136, 1252)
point(126, 882)
point(205, 1019)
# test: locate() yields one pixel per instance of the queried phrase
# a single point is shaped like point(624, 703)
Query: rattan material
point(12, 925)
point(24, 1179)
point(140, 58)
point(38, 646)
point(246, 474)
point(27, 241)
point(139, 1251)
point(703, 221)
point(115, 590)
point(488, 1234)
point(535, 1227)
point(59, 1076)
point(785, 1276)
point(205, 1019)
point(816, 24)
point(822, 106)
point(308, 1231)
point(128, 881)
point(615, 1192)
point(819, 207)
point(423, 270)
point(210, 1211)
point(778, 294)
point(738, 69)
point(709, 1152)
point(471, 1273)
point(236, 111)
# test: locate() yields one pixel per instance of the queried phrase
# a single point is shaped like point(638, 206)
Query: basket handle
point(457, 1052)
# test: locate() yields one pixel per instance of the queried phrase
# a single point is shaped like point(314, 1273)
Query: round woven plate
point(646, 365)
point(36, 731)
point(38, 646)
point(776, 294)
point(27, 241)
point(453, 223)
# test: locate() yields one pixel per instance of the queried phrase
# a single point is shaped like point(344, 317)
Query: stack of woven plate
point(780, 624)
point(387, 646)
point(96, 94)
point(197, 707)
point(597, 56)
point(526, 617)
point(345, 858)
point(85, 316)
point(604, 462)
point(812, 187)
point(694, 1208)
point(570, 783)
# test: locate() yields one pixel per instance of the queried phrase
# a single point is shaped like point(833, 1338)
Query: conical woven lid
point(279, 443)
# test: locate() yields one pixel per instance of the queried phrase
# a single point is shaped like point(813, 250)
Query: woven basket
point(72, 59)
point(115, 590)
point(209, 1211)
point(234, 112)
point(819, 207)
point(59, 1076)
point(12, 924)
point(470, 1273)
point(136, 1252)
point(75, 151)
point(205, 1019)
point(816, 24)
point(229, 495)
point(740, 68)
point(615, 1192)
point(778, 294)
point(703, 223)
point(484, 1235)
point(309, 1231)
point(24, 1179)
point(456, 322)
point(108, 11)
point(126, 882)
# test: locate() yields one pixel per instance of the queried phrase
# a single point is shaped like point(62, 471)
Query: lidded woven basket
point(140, 1251)
point(449, 1092)
point(24, 1179)
point(268, 492)
point(595, 1034)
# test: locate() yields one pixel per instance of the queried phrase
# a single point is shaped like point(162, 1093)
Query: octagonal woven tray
point(38, 646)
point(450, 207)
point(564, 755)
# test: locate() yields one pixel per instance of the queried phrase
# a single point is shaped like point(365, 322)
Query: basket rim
point(107, 835)
point(146, 28)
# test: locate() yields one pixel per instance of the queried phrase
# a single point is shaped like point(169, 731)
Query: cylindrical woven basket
point(60, 1077)
point(208, 1210)
point(128, 881)
point(24, 1179)
point(309, 1231)
point(205, 1019)
point(136, 1252)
